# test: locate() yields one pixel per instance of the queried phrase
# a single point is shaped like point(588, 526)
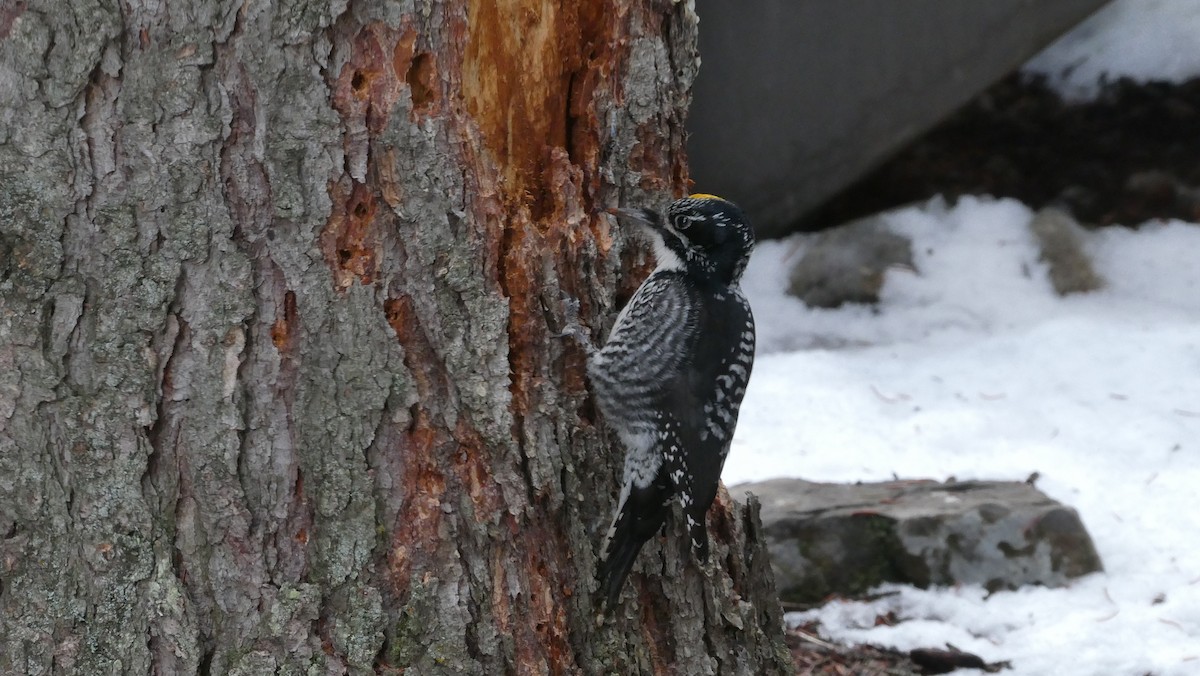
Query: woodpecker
point(671, 376)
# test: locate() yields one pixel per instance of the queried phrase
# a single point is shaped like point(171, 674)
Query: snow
point(972, 367)
point(1139, 39)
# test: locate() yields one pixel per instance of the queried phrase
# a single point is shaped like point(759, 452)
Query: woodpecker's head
point(702, 234)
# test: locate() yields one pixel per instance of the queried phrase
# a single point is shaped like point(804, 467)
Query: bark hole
point(421, 75)
point(350, 239)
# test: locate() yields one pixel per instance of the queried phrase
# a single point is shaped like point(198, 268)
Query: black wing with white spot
point(710, 395)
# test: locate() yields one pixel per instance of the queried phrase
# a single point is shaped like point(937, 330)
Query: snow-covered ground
point(1139, 39)
point(972, 367)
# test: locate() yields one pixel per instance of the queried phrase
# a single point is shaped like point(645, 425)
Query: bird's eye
point(682, 222)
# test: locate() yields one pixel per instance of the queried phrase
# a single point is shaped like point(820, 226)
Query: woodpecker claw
point(571, 327)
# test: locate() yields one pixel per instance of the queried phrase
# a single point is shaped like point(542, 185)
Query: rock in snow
point(847, 264)
point(847, 538)
point(1060, 238)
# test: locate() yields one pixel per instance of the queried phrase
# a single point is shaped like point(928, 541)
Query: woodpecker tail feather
point(640, 513)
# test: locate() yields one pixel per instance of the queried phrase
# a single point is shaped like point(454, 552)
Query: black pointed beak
point(643, 217)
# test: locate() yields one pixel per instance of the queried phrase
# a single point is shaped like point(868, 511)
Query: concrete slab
point(798, 98)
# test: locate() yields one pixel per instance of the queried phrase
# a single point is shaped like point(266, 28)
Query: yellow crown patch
point(703, 196)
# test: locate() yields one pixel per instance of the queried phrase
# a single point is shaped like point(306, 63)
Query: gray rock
point(847, 264)
point(847, 538)
point(1061, 240)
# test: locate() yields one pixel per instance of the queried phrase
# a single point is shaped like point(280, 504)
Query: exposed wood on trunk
point(278, 386)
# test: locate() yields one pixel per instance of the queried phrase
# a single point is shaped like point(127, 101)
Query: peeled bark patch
point(523, 57)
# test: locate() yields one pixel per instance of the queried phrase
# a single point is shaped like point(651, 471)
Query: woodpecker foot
point(572, 328)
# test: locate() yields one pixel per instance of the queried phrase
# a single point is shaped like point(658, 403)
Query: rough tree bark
point(277, 387)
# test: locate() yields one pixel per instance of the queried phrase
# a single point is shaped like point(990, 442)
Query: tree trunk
point(278, 392)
